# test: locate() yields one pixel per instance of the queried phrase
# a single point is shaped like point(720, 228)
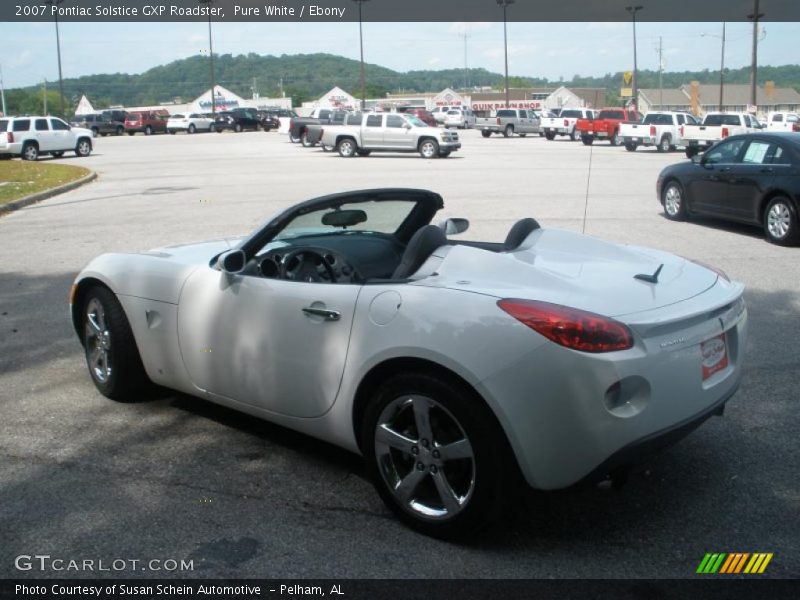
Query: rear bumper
point(13, 149)
point(641, 141)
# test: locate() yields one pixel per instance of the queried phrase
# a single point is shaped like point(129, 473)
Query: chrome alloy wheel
point(428, 149)
point(672, 200)
point(779, 220)
point(424, 457)
point(97, 341)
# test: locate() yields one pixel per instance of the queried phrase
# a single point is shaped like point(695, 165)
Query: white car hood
point(575, 270)
point(195, 252)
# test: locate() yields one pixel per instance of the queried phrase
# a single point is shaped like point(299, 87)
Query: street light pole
point(55, 3)
point(633, 10)
point(505, 4)
point(361, 46)
point(2, 92)
point(208, 4)
point(755, 16)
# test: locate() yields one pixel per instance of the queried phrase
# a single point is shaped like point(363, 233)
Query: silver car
point(455, 368)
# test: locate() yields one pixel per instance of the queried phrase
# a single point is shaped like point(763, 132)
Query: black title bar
point(395, 10)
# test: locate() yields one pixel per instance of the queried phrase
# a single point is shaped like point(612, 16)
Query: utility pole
point(207, 4)
point(3, 92)
point(755, 16)
point(466, 36)
point(54, 4)
point(361, 46)
point(633, 10)
point(505, 4)
point(722, 70)
point(254, 88)
point(660, 73)
point(44, 96)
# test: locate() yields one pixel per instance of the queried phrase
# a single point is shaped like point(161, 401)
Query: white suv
point(460, 117)
point(29, 137)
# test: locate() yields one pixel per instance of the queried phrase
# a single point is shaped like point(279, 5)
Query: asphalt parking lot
point(177, 478)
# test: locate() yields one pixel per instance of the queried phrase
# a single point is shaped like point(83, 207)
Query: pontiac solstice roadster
point(456, 368)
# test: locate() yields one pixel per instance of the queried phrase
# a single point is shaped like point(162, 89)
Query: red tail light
point(652, 131)
point(498, 120)
point(291, 123)
point(10, 137)
point(725, 132)
point(321, 131)
point(681, 130)
point(795, 126)
point(570, 327)
point(566, 123)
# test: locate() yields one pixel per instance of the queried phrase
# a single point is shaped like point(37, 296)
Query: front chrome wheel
point(424, 457)
point(97, 341)
point(674, 206)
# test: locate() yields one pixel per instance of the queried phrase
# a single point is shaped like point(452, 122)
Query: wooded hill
point(308, 76)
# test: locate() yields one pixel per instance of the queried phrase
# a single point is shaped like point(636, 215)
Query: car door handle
point(328, 315)
point(767, 170)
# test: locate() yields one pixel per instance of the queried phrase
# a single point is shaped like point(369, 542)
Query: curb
point(39, 196)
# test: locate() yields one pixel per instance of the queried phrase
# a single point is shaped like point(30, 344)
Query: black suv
point(103, 124)
point(237, 119)
point(269, 119)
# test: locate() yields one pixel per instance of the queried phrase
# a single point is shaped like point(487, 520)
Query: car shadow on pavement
point(753, 231)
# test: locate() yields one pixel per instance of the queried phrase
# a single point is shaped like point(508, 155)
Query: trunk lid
point(575, 270)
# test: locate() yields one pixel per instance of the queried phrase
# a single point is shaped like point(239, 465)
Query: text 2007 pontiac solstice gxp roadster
point(455, 368)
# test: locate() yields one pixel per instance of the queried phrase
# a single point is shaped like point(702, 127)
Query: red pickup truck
point(605, 126)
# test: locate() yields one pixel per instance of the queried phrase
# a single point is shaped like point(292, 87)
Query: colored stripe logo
point(734, 562)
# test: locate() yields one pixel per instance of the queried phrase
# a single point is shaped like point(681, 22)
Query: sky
point(549, 50)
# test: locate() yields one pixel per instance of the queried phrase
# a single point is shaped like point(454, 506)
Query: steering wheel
point(306, 264)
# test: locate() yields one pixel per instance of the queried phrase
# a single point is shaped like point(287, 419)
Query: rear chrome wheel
point(346, 148)
point(780, 222)
point(437, 455)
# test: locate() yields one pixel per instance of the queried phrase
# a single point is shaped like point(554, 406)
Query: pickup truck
point(564, 123)
point(605, 126)
point(715, 127)
point(783, 121)
point(661, 129)
point(298, 127)
point(390, 132)
point(509, 121)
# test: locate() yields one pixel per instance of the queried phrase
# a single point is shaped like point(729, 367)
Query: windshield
point(385, 216)
point(721, 120)
point(571, 114)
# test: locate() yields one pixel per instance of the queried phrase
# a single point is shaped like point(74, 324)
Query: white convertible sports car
point(455, 368)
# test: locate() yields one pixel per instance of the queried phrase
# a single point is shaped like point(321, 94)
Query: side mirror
point(454, 226)
point(232, 261)
point(697, 159)
point(407, 125)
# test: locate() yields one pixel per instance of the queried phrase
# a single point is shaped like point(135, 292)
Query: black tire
point(549, 136)
point(30, 151)
point(673, 199)
point(575, 135)
point(483, 483)
point(192, 128)
point(219, 129)
point(346, 147)
point(94, 132)
point(428, 148)
point(171, 131)
point(691, 151)
point(148, 130)
point(237, 128)
point(131, 133)
point(304, 140)
point(125, 379)
point(119, 130)
point(665, 144)
point(363, 152)
point(326, 148)
point(614, 139)
point(522, 134)
point(58, 154)
point(508, 131)
point(486, 133)
point(630, 146)
point(780, 222)
point(83, 148)
point(587, 140)
point(293, 138)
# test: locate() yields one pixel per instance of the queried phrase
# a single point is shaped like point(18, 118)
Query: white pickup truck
point(783, 121)
point(390, 132)
point(715, 127)
point(661, 129)
point(564, 124)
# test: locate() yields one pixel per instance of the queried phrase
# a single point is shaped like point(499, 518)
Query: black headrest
point(419, 248)
point(519, 232)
